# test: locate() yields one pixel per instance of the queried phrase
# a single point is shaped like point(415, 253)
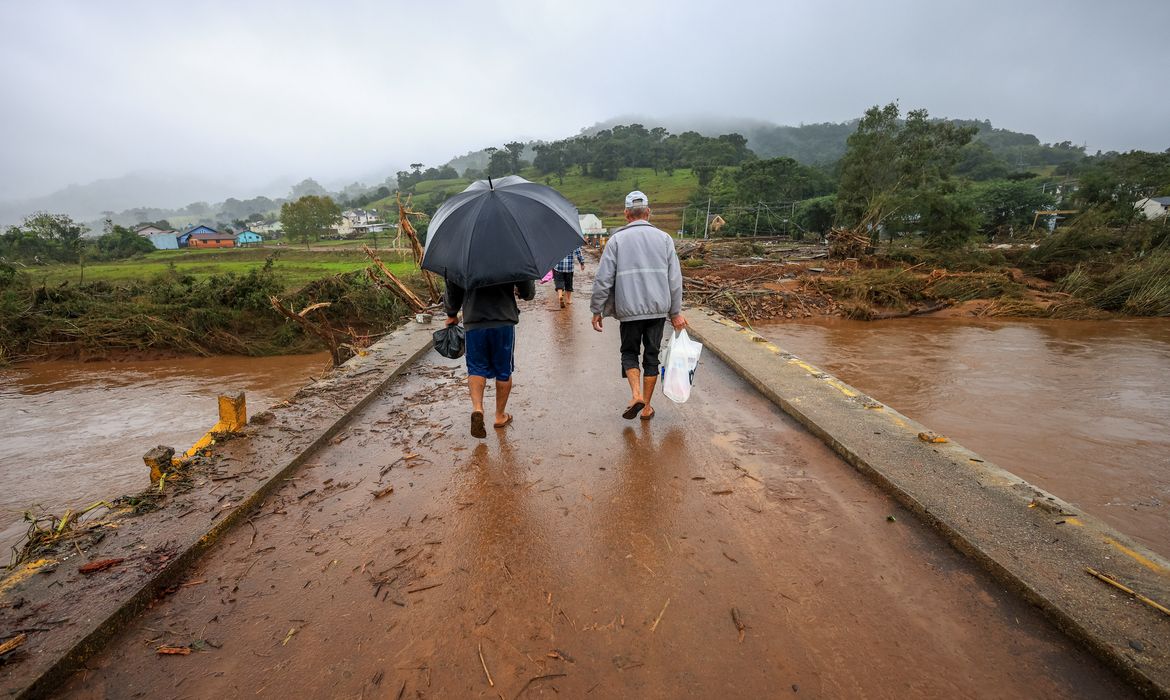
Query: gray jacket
point(638, 276)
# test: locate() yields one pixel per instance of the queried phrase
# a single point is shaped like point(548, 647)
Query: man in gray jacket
point(639, 282)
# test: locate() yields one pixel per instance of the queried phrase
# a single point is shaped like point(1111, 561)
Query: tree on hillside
point(895, 167)
point(308, 218)
point(307, 187)
point(515, 149)
point(551, 159)
point(499, 164)
point(777, 179)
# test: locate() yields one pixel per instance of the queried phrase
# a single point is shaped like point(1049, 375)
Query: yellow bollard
point(233, 416)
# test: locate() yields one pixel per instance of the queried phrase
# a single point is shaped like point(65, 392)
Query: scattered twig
point(167, 650)
point(425, 588)
point(13, 643)
point(738, 623)
point(100, 565)
point(486, 672)
point(1120, 586)
point(660, 614)
point(534, 679)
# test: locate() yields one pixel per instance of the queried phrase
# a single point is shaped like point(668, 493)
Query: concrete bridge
point(779, 534)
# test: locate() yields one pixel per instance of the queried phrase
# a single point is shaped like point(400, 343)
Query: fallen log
point(395, 285)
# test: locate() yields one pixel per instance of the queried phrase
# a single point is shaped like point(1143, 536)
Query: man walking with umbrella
point(489, 243)
point(639, 282)
point(490, 315)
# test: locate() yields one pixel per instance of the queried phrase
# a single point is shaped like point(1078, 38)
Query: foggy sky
point(250, 92)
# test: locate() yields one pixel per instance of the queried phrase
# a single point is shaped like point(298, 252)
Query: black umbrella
point(507, 230)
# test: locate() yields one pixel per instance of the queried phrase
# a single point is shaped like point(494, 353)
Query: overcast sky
point(252, 91)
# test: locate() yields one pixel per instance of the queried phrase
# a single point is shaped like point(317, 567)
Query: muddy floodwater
point(1079, 408)
point(74, 432)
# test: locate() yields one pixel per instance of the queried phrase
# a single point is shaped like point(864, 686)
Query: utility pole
point(756, 227)
point(707, 220)
point(683, 232)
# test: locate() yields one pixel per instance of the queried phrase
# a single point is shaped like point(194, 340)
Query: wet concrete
point(1076, 407)
point(585, 555)
point(113, 412)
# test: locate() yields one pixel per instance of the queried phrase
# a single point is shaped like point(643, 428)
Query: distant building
point(1153, 207)
point(590, 225)
point(185, 237)
point(248, 238)
point(358, 222)
point(715, 223)
point(164, 240)
point(207, 237)
point(269, 229)
point(149, 230)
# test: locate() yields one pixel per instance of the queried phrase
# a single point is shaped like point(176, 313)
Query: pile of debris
point(845, 243)
point(751, 291)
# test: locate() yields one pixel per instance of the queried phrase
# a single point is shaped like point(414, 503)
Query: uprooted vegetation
point(1085, 271)
point(180, 314)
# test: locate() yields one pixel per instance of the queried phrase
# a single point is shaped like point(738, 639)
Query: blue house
point(247, 238)
point(185, 237)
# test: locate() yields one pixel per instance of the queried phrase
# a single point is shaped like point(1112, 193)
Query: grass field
point(294, 267)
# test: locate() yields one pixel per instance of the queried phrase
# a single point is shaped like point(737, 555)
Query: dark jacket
point(488, 307)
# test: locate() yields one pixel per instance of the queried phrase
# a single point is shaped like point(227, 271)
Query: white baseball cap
point(637, 198)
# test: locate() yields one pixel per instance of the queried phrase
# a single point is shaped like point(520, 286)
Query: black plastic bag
point(450, 342)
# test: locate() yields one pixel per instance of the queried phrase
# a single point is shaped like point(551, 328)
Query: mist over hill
point(810, 144)
point(139, 189)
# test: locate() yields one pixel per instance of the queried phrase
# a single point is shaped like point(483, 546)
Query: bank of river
point(1080, 408)
point(74, 433)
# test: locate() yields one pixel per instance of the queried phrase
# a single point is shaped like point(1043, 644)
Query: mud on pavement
point(718, 550)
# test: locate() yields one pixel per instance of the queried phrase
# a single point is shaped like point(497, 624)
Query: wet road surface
point(575, 554)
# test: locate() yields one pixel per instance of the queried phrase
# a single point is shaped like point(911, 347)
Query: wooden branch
point(404, 226)
point(396, 285)
point(322, 330)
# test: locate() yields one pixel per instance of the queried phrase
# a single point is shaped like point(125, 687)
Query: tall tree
point(308, 218)
point(515, 150)
point(900, 167)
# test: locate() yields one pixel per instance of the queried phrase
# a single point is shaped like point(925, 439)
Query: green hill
point(668, 193)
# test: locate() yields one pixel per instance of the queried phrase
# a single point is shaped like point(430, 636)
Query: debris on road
point(739, 626)
point(486, 672)
point(13, 644)
point(1121, 586)
point(167, 650)
point(101, 565)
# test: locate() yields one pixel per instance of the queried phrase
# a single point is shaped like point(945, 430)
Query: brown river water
point(74, 432)
point(1080, 408)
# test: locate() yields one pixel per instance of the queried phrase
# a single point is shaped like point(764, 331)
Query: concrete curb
point(287, 436)
point(1027, 538)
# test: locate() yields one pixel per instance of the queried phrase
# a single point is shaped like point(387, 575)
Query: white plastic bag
point(682, 357)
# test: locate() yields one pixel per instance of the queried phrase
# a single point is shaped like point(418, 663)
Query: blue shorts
point(491, 352)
